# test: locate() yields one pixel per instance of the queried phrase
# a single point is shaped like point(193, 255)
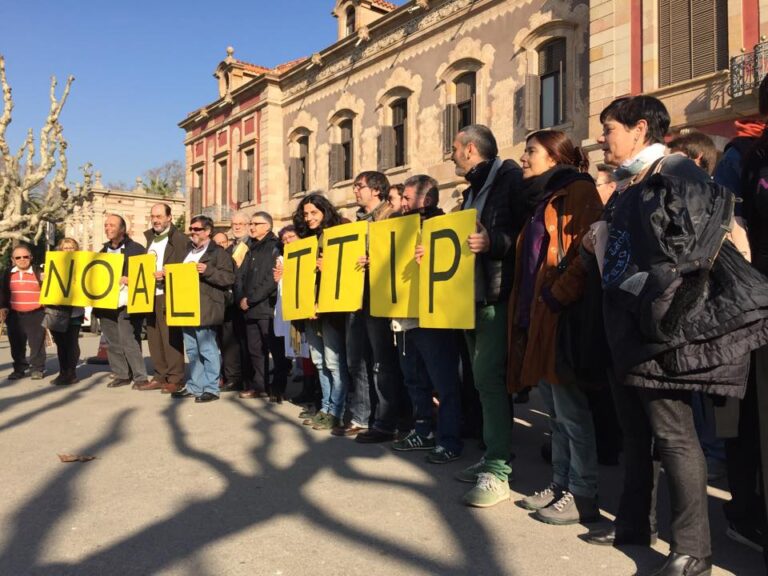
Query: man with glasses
point(255, 295)
point(235, 360)
point(166, 344)
point(370, 346)
point(605, 182)
point(123, 332)
point(20, 308)
point(217, 274)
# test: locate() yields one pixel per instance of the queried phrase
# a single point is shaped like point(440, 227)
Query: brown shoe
point(349, 429)
point(247, 394)
point(170, 388)
point(151, 385)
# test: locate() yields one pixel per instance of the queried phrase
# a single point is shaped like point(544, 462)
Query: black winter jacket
point(503, 218)
point(255, 280)
point(682, 307)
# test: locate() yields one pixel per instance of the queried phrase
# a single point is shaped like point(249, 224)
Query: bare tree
point(34, 190)
point(163, 179)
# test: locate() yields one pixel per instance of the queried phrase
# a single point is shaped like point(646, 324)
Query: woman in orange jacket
point(549, 277)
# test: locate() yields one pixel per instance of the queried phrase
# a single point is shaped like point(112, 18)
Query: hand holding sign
point(479, 242)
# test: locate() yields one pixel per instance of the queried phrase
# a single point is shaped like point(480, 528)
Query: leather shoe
point(684, 565)
point(348, 430)
point(612, 537)
point(374, 436)
point(230, 386)
point(142, 385)
point(118, 382)
point(252, 394)
point(152, 385)
point(170, 388)
point(206, 397)
point(183, 393)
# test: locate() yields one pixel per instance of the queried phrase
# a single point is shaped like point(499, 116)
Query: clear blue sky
point(140, 67)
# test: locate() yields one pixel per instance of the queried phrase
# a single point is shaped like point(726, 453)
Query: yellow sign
point(342, 280)
point(141, 283)
point(447, 273)
point(182, 294)
point(299, 266)
point(82, 279)
point(394, 273)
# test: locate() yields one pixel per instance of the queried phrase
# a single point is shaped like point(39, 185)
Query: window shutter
point(294, 176)
point(335, 164)
point(450, 127)
point(386, 148)
point(664, 42)
point(241, 191)
point(680, 41)
point(531, 102)
point(196, 201)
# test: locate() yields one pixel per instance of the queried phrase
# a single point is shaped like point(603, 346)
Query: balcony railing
point(748, 70)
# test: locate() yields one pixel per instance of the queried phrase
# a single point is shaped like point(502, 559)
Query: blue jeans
point(429, 359)
point(359, 365)
point(204, 360)
point(391, 398)
point(326, 348)
point(574, 450)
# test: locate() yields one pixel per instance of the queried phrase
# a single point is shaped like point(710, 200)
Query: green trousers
point(488, 350)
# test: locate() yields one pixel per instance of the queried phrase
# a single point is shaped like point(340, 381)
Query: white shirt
point(157, 247)
point(122, 299)
point(195, 254)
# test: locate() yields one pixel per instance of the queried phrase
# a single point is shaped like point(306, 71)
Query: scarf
point(749, 128)
point(631, 167)
point(162, 236)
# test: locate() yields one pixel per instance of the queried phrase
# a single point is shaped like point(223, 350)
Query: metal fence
point(747, 70)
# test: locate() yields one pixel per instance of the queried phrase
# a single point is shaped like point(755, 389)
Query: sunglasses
point(22, 257)
point(196, 229)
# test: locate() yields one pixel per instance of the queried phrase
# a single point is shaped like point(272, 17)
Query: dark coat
point(683, 309)
point(5, 286)
point(573, 206)
point(129, 248)
point(176, 250)
point(218, 277)
point(503, 217)
point(255, 280)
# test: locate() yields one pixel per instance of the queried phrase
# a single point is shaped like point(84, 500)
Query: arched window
point(350, 18)
point(347, 149)
point(552, 83)
point(465, 99)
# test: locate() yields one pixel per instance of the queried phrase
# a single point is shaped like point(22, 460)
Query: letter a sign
point(141, 283)
point(447, 274)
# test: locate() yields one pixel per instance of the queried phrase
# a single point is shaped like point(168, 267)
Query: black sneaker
point(205, 397)
point(183, 393)
point(16, 375)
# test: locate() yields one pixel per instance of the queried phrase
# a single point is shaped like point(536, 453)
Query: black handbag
point(582, 355)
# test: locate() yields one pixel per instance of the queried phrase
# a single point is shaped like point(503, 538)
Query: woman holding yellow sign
point(325, 332)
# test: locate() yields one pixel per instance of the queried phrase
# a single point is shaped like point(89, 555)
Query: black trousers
point(261, 343)
point(235, 357)
point(663, 417)
point(27, 328)
point(67, 349)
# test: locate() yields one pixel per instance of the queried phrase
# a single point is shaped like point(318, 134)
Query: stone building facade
point(390, 94)
point(399, 82)
point(86, 224)
point(702, 58)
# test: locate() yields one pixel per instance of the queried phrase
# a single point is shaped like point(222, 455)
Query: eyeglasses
point(22, 257)
point(257, 223)
point(196, 229)
point(360, 186)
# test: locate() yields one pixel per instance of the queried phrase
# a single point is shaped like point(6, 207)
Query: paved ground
point(241, 488)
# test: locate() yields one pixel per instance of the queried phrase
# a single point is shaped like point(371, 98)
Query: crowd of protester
point(627, 300)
